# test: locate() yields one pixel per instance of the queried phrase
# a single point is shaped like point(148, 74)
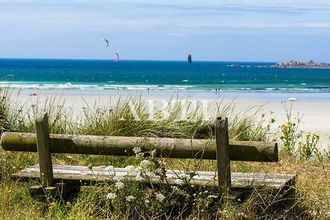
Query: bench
point(62, 177)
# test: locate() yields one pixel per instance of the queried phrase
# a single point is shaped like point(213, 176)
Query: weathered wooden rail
point(122, 146)
point(219, 149)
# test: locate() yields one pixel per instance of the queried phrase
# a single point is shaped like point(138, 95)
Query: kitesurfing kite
point(189, 58)
point(106, 41)
point(117, 57)
point(108, 44)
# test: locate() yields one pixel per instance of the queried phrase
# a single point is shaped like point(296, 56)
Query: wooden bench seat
point(85, 175)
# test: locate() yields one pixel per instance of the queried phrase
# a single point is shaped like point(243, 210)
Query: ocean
point(159, 75)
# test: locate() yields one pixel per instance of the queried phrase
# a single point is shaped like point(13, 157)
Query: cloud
point(137, 27)
point(171, 18)
point(184, 3)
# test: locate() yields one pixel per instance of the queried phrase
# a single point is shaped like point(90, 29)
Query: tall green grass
point(188, 201)
point(117, 119)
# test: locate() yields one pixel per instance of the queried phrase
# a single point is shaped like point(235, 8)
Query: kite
point(106, 41)
point(189, 58)
point(117, 57)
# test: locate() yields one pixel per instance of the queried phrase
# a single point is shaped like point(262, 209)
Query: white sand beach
point(312, 108)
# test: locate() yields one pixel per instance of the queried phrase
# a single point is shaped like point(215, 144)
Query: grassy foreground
point(127, 200)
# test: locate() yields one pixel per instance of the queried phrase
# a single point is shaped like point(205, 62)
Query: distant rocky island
point(298, 64)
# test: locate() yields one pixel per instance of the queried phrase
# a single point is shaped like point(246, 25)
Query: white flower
point(185, 176)
point(147, 201)
point(160, 197)
point(174, 188)
point(130, 198)
point(212, 196)
point(179, 181)
point(111, 196)
point(119, 185)
point(117, 178)
point(137, 150)
point(145, 163)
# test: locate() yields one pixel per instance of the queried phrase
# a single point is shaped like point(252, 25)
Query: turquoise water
point(159, 75)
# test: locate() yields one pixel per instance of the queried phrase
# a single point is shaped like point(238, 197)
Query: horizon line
point(125, 60)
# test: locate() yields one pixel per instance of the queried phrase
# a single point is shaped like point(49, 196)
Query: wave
point(73, 86)
point(114, 87)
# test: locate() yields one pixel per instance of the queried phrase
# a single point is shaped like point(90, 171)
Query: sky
point(236, 30)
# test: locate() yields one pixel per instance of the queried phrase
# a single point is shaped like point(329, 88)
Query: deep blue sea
point(158, 75)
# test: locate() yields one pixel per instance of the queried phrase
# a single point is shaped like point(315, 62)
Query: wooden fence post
point(43, 146)
point(222, 152)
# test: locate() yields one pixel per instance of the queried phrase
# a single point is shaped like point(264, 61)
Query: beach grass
point(129, 201)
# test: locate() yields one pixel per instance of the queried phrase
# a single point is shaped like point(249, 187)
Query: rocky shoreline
point(298, 64)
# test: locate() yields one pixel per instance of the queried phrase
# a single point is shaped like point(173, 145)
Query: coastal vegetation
point(131, 200)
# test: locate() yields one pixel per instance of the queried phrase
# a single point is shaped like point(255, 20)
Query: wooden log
point(222, 152)
point(43, 147)
point(122, 146)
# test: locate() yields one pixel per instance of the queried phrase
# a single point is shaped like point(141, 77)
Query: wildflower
point(130, 198)
point(117, 178)
point(119, 185)
point(186, 175)
point(145, 163)
point(242, 214)
point(137, 150)
point(160, 197)
point(212, 196)
point(179, 181)
point(111, 196)
point(174, 188)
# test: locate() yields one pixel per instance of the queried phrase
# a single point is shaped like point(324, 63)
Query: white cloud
point(174, 18)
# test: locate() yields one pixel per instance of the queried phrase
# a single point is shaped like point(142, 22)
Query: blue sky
point(244, 30)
